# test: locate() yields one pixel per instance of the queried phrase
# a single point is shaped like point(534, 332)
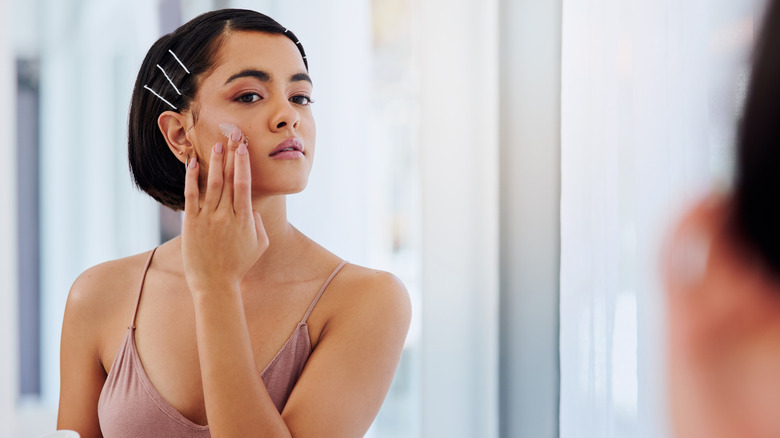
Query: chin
point(288, 188)
point(295, 190)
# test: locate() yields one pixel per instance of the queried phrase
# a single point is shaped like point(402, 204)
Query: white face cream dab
point(227, 128)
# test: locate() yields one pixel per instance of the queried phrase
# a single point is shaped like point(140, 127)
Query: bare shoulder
point(103, 284)
point(101, 300)
point(360, 277)
point(365, 294)
point(372, 285)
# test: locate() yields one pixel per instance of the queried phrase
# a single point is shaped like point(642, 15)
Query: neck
point(285, 242)
point(273, 212)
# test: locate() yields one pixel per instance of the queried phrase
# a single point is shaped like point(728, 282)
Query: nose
point(285, 116)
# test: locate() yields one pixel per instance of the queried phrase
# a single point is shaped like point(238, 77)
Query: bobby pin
point(169, 80)
point(179, 61)
point(161, 98)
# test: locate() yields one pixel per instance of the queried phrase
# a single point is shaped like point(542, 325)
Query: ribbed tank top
point(130, 406)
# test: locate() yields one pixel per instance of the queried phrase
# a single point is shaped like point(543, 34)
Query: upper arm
point(81, 370)
point(349, 373)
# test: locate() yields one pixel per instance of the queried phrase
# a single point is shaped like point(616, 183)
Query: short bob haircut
point(756, 209)
point(153, 167)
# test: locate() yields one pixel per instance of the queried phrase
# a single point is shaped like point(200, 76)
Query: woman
point(221, 127)
point(723, 278)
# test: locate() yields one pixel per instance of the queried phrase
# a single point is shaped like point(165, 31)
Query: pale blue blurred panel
point(8, 262)
point(90, 212)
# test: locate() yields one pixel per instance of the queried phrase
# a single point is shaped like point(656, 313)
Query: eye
point(248, 98)
point(301, 99)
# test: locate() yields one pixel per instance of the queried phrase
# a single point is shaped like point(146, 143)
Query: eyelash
point(309, 101)
point(293, 99)
point(245, 95)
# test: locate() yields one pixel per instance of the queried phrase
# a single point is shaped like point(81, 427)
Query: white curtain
point(650, 94)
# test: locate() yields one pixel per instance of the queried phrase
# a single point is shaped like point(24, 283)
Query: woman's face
point(259, 84)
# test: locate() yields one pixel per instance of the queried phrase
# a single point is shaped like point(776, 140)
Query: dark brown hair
point(153, 167)
point(757, 185)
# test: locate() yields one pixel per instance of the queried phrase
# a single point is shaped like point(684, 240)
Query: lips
point(288, 146)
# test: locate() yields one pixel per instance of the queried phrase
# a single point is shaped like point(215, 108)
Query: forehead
point(273, 53)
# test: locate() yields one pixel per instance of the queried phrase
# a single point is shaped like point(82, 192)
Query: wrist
point(216, 289)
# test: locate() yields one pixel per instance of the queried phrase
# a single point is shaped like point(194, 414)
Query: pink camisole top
point(130, 406)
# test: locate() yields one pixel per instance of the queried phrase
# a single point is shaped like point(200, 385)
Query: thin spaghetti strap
point(141, 286)
point(322, 289)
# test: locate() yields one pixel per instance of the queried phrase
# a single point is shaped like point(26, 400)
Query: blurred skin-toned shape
point(724, 330)
point(722, 272)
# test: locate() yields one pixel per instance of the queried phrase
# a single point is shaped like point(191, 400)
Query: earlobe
point(172, 126)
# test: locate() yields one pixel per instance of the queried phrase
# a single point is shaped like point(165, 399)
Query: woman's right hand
point(222, 236)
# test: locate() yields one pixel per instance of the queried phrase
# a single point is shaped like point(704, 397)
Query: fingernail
point(235, 136)
point(193, 163)
point(218, 148)
point(242, 149)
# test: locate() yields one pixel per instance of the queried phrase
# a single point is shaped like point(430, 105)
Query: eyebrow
point(265, 77)
point(300, 77)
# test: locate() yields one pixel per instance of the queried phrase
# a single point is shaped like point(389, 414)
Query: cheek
point(309, 132)
point(206, 132)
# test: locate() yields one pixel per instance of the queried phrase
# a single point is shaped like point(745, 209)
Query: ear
point(172, 125)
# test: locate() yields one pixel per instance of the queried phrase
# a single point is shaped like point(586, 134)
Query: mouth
point(288, 146)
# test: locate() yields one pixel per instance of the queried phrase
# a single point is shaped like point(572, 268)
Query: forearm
point(237, 402)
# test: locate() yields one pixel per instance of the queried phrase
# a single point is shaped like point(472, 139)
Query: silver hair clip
point(179, 61)
point(169, 80)
point(298, 42)
point(161, 98)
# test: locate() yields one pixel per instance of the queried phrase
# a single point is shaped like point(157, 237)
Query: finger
point(191, 191)
point(227, 187)
point(214, 183)
point(242, 182)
